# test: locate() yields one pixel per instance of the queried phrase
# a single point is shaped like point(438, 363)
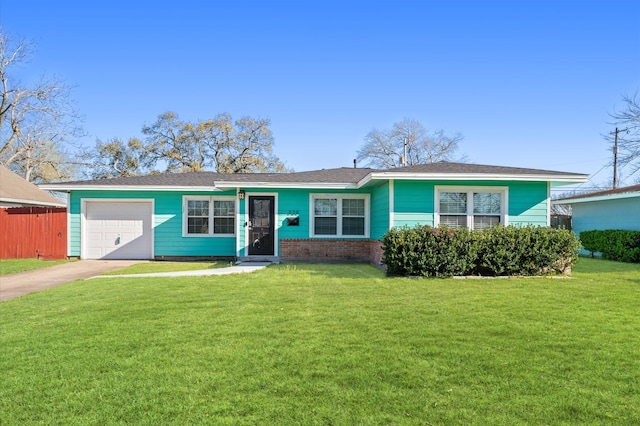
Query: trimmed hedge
point(510, 250)
point(614, 244)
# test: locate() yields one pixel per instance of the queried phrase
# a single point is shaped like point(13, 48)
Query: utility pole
point(615, 155)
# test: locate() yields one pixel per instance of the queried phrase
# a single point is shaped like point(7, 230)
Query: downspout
point(391, 204)
point(548, 204)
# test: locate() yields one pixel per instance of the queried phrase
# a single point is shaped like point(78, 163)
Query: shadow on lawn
point(585, 265)
point(333, 270)
point(622, 271)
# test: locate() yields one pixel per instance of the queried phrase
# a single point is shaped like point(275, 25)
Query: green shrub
point(427, 251)
point(443, 252)
point(526, 251)
point(614, 244)
point(592, 241)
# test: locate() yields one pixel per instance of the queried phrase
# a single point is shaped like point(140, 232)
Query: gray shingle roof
point(169, 179)
point(203, 179)
point(446, 167)
point(15, 189)
point(340, 176)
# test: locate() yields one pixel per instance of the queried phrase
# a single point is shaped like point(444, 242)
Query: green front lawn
point(326, 344)
point(13, 266)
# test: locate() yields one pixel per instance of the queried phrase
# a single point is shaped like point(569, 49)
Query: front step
point(249, 259)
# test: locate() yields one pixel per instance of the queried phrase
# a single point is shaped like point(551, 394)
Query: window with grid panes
point(352, 216)
point(209, 216)
point(486, 209)
point(197, 216)
point(339, 215)
point(453, 209)
point(470, 208)
point(223, 216)
point(325, 211)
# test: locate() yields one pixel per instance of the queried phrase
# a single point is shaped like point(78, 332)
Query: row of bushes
point(510, 250)
point(614, 244)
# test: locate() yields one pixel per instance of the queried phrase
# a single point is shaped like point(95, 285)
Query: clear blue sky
point(528, 83)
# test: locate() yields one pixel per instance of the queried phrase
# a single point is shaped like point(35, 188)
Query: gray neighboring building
point(15, 191)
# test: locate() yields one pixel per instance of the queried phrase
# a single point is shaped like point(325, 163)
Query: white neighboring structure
point(17, 192)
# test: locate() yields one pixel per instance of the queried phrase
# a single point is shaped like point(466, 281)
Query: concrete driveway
point(15, 285)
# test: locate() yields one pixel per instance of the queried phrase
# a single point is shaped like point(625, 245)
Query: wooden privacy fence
point(561, 222)
point(33, 232)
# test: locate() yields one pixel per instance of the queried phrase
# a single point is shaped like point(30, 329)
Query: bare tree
point(627, 119)
point(113, 158)
point(243, 146)
point(386, 148)
point(174, 146)
point(220, 144)
point(36, 122)
point(173, 142)
point(560, 209)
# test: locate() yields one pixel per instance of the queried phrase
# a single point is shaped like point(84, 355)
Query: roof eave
point(588, 199)
point(33, 202)
point(577, 178)
point(64, 188)
point(288, 185)
point(219, 186)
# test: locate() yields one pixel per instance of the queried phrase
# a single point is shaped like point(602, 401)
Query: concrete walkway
point(22, 283)
point(15, 285)
point(238, 268)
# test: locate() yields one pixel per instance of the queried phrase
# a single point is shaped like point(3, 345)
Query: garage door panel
point(106, 224)
point(119, 230)
point(93, 253)
point(94, 236)
point(107, 237)
point(130, 223)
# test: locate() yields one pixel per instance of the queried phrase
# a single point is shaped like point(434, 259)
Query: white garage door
point(118, 230)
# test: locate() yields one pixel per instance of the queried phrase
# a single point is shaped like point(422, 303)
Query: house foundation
point(331, 250)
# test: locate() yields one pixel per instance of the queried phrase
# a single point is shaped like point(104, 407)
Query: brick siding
point(330, 250)
point(376, 254)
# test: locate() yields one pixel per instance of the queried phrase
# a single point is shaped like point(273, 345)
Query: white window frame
point(339, 197)
point(470, 190)
point(211, 200)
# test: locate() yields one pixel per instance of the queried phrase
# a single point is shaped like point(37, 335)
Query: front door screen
point(261, 225)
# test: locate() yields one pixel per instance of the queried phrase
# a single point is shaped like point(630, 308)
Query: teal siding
point(167, 225)
point(293, 203)
point(239, 244)
point(414, 202)
point(379, 210)
point(623, 213)
point(528, 203)
point(73, 220)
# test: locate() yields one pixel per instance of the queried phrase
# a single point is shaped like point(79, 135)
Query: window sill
point(208, 235)
point(340, 237)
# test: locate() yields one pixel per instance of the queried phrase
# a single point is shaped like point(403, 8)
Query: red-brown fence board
point(33, 232)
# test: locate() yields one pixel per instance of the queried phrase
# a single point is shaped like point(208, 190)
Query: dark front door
point(261, 223)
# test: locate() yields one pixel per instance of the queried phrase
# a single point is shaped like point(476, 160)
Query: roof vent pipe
point(404, 157)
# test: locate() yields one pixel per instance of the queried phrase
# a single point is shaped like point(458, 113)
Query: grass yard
point(166, 266)
point(13, 266)
point(326, 344)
